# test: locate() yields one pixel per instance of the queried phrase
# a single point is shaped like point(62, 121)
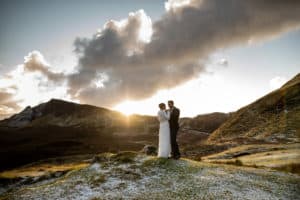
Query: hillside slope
point(274, 118)
point(134, 176)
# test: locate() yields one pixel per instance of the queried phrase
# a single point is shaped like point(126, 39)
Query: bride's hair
point(162, 106)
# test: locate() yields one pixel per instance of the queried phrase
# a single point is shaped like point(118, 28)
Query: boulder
point(150, 150)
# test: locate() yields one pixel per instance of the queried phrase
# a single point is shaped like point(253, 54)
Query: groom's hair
point(171, 102)
point(162, 105)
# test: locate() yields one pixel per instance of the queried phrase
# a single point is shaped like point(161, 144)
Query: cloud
point(174, 48)
point(203, 26)
point(277, 82)
point(223, 62)
point(8, 104)
point(133, 58)
point(30, 83)
point(35, 62)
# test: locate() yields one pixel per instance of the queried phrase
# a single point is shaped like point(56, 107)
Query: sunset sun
point(127, 108)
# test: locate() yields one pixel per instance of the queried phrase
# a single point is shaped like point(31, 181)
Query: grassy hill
point(129, 175)
point(59, 128)
point(274, 118)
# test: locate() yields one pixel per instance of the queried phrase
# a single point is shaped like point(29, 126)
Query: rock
point(150, 150)
point(99, 158)
point(24, 117)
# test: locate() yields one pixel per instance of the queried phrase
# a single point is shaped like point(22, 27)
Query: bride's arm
point(167, 114)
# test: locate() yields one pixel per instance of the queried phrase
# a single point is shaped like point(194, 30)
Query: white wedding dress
point(164, 142)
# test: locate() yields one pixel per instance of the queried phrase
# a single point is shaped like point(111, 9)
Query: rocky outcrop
point(23, 118)
point(149, 150)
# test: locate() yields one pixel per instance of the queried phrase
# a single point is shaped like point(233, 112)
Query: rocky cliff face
point(23, 118)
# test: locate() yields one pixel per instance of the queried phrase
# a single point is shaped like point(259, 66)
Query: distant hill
point(66, 114)
point(205, 122)
point(274, 118)
point(57, 128)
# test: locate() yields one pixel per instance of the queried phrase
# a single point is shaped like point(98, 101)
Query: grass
point(291, 167)
point(96, 181)
point(124, 157)
point(129, 175)
point(280, 157)
point(40, 169)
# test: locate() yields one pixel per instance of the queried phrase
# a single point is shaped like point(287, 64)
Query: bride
point(164, 142)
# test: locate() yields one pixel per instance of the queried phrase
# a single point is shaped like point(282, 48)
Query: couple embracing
point(168, 128)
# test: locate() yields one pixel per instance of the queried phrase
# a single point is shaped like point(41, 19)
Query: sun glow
point(126, 107)
point(206, 94)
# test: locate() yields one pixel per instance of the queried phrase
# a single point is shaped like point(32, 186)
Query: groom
point(174, 127)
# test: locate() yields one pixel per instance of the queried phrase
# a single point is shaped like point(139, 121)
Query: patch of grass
point(103, 157)
point(276, 156)
point(95, 198)
point(97, 180)
point(292, 167)
point(155, 162)
point(238, 162)
point(127, 173)
point(124, 157)
point(40, 170)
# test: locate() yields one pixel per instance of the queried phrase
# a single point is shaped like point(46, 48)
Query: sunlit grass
point(40, 170)
point(280, 157)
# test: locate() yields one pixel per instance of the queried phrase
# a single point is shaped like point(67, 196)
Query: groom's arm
point(176, 114)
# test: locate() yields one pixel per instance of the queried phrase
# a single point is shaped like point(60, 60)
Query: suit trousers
point(174, 145)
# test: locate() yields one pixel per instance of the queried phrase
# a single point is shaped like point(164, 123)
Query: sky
point(206, 55)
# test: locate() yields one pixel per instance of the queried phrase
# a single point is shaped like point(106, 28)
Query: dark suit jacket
point(174, 117)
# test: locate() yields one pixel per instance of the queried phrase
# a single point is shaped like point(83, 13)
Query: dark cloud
point(184, 36)
point(190, 32)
